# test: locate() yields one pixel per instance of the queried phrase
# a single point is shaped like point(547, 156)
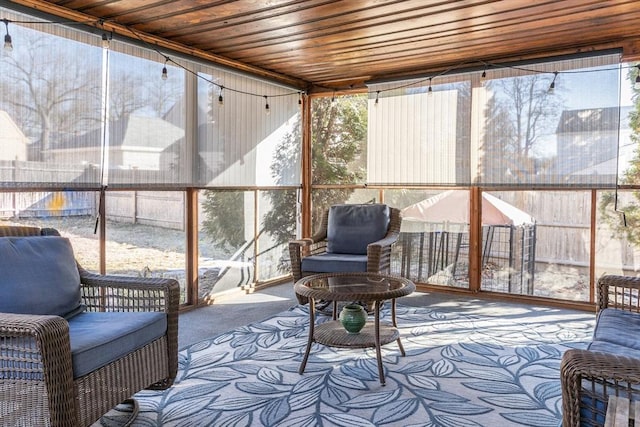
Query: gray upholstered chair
point(73, 344)
point(610, 365)
point(351, 238)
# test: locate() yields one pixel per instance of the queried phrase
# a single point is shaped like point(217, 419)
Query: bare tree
point(50, 92)
point(520, 111)
point(123, 95)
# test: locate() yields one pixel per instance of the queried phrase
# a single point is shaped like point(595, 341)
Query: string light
point(164, 69)
point(220, 99)
point(552, 86)
point(105, 41)
point(266, 105)
point(333, 98)
point(8, 45)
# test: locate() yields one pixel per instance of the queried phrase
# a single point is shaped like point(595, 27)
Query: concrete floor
point(232, 311)
point(240, 309)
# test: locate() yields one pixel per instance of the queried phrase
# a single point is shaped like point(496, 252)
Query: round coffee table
point(349, 287)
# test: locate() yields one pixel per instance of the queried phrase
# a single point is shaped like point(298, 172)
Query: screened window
point(49, 96)
point(74, 113)
point(554, 123)
point(240, 140)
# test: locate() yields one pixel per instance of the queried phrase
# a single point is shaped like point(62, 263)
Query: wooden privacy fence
point(156, 208)
point(562, 219)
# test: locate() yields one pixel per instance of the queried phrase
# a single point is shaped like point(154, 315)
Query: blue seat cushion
point(39, 276)
point(334, 263)
point(351, 228)
point(99, 338)
point(612, 348)
point(616, 332)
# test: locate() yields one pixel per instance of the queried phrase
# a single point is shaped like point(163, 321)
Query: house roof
point(132, 131)
point(593, 119)
point(324, 45)
point(9, 130)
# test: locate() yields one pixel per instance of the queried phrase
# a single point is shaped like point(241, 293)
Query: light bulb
point(552, 86)
point(8, 46)
point(105, 41)
point(164, 73)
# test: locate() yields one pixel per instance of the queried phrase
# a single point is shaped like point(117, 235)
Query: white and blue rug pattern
point(461, 369)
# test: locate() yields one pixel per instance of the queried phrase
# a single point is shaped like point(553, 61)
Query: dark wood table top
point(353, 287)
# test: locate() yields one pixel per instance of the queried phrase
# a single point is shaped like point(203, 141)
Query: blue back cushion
point(38, 276)
point(352, 227)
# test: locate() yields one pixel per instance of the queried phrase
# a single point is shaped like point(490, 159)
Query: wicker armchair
point(590, 376)
point(37, 383)
point(378, 253)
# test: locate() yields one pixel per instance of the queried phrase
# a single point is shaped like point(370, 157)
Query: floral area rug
point(461, 369)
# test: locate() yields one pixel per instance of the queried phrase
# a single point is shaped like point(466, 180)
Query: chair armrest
point(620, 292)
point(126, 293)
point(35, 356)
point(298, 249)
point(379, 253)
point(385, 242)
point(598, 374)
point(301, 242)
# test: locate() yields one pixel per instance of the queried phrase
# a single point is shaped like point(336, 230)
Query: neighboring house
point(135, 142)
point(13, 143)
point(594, 141)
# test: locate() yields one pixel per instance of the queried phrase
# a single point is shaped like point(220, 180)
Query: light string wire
point(487, 65)
point(168, 59)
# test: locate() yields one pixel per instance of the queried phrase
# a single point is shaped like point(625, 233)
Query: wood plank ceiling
point(327, 45)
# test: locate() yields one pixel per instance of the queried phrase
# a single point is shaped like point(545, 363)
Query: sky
point(591, 89)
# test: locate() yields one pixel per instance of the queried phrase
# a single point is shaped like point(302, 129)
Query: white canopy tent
point(449, 211)
point(434, 233)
